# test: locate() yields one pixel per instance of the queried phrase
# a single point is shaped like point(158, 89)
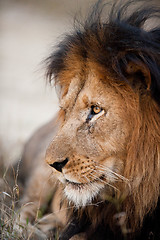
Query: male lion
point(103, 160)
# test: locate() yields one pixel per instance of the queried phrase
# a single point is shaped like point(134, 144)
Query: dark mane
point(114, 40)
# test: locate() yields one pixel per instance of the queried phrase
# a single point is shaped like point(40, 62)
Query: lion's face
point(90, 148)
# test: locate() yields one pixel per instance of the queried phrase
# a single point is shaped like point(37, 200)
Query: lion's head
point(108, 143)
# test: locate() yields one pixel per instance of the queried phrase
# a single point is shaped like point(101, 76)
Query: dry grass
point(11, 192)
point(9, 198)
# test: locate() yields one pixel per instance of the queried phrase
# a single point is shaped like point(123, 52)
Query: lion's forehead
point(89, 91)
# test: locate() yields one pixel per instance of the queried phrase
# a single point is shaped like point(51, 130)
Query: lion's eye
point(95, 110)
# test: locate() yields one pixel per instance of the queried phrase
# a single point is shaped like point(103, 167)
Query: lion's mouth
point(77, 185)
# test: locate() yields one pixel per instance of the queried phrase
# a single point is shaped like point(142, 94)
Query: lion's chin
point(82, 195)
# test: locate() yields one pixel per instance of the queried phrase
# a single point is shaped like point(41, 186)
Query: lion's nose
point(59, 165)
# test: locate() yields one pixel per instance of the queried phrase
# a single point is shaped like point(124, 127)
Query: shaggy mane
point(111, 43)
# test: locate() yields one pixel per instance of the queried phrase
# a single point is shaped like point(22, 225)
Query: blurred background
point(29, 30)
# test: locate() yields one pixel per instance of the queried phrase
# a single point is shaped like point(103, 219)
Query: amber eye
point(96, 109)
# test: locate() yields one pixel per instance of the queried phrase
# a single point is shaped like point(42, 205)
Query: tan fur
point(132, 128)
point(126, 139)
point(118, 150)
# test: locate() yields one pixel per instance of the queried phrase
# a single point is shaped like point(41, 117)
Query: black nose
point(59, 165)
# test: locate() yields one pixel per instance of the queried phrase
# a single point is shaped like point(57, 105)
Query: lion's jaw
point(82, 195)
point(95, 146)
point(82, 192)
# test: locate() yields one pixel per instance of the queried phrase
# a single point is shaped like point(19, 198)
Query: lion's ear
point(138, 71)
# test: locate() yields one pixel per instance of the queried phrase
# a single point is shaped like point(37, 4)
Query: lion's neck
point(143, 165)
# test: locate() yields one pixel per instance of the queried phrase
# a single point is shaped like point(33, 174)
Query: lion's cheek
point(115, 137)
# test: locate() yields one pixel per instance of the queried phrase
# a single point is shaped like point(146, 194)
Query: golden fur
point(102, 163)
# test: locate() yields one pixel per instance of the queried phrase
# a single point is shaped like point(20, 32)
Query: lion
point(98, 161)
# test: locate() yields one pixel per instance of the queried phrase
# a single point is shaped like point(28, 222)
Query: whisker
point(105, 182)
point(96, 204)
point(88, 181)
point(113, 174)
point(103, 167)
point(104, 173)
point(109, 174)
